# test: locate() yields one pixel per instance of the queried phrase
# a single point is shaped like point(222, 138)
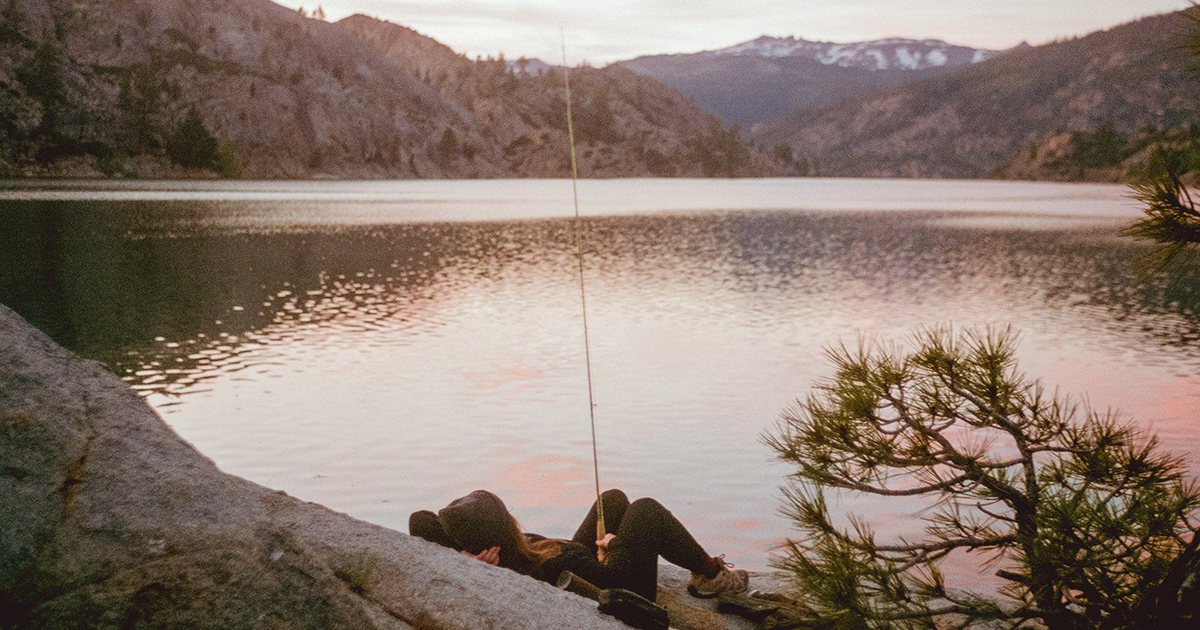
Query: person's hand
point(490, 556)
point(602, 546)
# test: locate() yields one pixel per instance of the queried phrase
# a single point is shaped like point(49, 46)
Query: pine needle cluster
point(1172, 219)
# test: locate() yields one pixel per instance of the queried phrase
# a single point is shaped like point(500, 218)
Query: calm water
point(386, 347)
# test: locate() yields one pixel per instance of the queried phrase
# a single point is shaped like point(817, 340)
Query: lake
point(383, 347)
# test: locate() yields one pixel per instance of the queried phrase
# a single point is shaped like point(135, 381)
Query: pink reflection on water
point(1180, 403)
point(544, 480)
point(519, 377)
point(1167, 406)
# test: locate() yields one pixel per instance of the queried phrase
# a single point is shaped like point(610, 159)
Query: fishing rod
point(587, 352)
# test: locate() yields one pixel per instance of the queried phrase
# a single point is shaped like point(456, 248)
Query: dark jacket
point(573, 557)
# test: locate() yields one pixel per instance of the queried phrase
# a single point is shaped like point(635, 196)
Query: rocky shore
point(110, 519)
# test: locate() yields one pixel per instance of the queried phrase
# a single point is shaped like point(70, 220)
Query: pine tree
point(192, 145)
point(1087, 522)
point(447, 147)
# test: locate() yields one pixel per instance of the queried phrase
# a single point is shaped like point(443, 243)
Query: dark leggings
point(644, 531)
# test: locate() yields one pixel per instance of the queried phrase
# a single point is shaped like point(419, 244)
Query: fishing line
point(587, 352)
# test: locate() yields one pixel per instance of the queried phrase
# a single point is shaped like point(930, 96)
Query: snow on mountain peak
point(883, 54)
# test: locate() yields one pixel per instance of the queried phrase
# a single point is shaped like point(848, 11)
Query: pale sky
point(601, 32)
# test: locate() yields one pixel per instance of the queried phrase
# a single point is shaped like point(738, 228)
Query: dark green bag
point(633, 609)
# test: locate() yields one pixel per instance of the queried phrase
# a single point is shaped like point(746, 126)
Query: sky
point(601, 32)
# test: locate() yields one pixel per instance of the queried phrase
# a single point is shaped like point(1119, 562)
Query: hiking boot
point(726, 581)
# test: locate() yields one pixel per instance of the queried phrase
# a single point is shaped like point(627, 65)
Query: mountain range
point(761, 80)
point(196, 88)
point(1082, 108)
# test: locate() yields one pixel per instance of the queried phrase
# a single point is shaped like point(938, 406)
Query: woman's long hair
point(519, 554)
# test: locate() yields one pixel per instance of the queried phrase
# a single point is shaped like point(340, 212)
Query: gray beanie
point(477, 521)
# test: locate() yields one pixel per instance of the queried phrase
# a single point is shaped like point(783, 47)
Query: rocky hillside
point(760, 80)
point(625, 124)
point(1034, 113)
point(191, 88)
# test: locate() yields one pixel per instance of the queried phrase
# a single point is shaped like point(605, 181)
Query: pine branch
point(958, 543)
point(1172, 219)
point(847, 484)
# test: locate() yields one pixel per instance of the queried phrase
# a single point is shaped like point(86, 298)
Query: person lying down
point(480, 526)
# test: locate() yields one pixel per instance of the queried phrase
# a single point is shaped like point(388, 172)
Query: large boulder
point(109, 519)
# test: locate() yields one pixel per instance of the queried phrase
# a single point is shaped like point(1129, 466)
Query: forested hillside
point(193, 88)
point(1087, 108)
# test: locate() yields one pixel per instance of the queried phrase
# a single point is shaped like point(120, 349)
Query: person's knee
point(647, 508)
point(646, 503)
point(616, 495)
